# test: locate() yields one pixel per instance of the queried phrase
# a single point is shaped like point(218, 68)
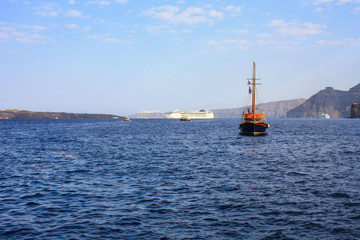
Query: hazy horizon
point(125, 56)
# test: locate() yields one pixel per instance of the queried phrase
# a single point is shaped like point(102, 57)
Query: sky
point(126, 56)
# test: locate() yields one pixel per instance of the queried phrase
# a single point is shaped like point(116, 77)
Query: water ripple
point(162, 179)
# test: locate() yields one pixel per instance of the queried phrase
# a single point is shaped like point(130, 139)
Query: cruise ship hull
point(191, 115)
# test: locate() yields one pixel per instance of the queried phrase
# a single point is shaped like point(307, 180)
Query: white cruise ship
point(202, 114)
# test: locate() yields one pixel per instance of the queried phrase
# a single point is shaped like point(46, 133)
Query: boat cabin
point(258, 116)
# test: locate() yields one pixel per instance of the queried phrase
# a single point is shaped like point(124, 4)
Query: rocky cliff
point(272, 109)
point(21, 114)
point(355, 110)
point(336, 103)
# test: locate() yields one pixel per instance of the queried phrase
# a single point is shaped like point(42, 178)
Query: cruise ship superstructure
point(202, 114)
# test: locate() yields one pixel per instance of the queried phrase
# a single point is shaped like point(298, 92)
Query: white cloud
point(216, 14)
point(72, 26)
point(71, 1)
point(87, 28)
point(340, 2)
point(318, 2)
point(48, 10)
point(100, 2)
point(356, 10)
point(53, 10)
point(337, 2)
point(284, 44)
point(4, 35)
point(164, 13)
point(334, 3)
point(122, 1)
point(23, 33)
point(229, 43)
point(34, 28)
point(24, 37)
point(108, 39)
point(215, 43)
point(187, 30)
point(317, 10)
point(347, 42)
point(233, 10)
point(156, 29)
point(74, 13)
point(242, 44)
point(296, 28)
point(159, 29)
point(48, 14)
point(242, 31)
point(189, 16)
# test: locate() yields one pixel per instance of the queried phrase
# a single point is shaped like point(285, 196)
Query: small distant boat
point(253, 121)
point(324, 115)
point(185, 118)
point(127, 119)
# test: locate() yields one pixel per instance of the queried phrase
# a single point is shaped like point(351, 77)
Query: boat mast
point(253, 83)
point(254, 88)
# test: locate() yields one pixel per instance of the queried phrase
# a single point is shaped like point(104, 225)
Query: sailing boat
point(253, 121)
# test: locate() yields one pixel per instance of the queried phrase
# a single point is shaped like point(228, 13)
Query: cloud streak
point(48, 10)
point(100, 2)
point(233, 10)
point(336, 2)
point(347, 42)
point(74, 13)
point(229, 43)
point(53, 10)
point(189, 16)
point(108, 38)
point(295, 28)
point(23, 33)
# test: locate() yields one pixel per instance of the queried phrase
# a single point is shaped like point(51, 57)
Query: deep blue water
point(166, 179)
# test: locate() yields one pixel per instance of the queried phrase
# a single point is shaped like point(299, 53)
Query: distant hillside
point(22, 114)
point(150, 114)
point(272, 109)
point(336, 103)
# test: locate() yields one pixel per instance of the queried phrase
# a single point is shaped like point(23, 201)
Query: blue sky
point(126, 56)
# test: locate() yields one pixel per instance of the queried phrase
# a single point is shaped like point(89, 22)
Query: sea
point(167, 179)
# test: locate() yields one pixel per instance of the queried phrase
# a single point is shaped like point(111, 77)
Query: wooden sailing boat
point(253, 121)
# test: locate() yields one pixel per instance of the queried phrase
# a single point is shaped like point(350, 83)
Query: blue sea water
point(166, 179)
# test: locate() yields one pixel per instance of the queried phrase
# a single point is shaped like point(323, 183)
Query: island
point(23, 114)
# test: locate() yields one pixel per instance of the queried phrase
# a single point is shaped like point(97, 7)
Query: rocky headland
point(334, 102)
point(355, 110)
point(23, 114)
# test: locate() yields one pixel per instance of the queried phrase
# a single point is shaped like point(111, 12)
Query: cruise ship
point(202, 114)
